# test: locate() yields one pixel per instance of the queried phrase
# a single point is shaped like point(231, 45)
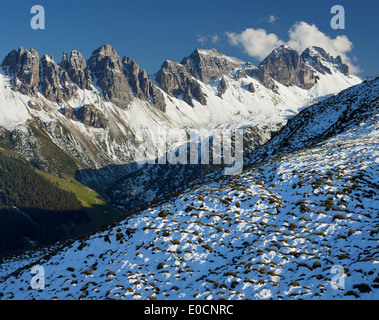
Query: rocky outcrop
point(106, 67)
point(287, 67)
point(30, 75)
point(175, 79)
point(23, 67)
point(265, 78)
point(57, 83)
point(210, 64)
point(178, 79)
point(221, 87)
point(251, 87)
point(141, 84)
point(70, 113)
point(90, 116)
point(315, 56)
point(50, 79)
point(76, 68)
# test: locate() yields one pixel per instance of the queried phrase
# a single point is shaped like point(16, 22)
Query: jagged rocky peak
point(76, 68)
point(287, 67)
point(64, 61)
point(209, 64)
point(141, 84)
point(23, 67)
point(180, 79)
point(58, 82)
point(318, 58)
point(50, 79)
point(106, 66)
point(77, 61)
point(104, 57)
point(176, 79)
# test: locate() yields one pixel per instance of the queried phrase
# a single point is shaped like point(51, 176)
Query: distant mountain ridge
point(121, 79)
point(91, 117)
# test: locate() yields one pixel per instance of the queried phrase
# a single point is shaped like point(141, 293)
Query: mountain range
point(305, 205)
point(87, 119)
point(75, 137)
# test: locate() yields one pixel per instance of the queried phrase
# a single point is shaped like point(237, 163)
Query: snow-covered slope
point(13, 108)
point(323, 120)
point(275, 231)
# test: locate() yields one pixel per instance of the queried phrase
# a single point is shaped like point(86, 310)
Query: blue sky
point(153, 31)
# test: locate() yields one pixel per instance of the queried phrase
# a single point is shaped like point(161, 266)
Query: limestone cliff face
point(23, 67)
point(92, 117)
point(204, 65)
point(317, 57)
point(106, 67)
point(50, 79)
point(286, 67)
point(176, 79)
point(76, 68)
point(222, 86)
point(142, 85)
point(209, 64)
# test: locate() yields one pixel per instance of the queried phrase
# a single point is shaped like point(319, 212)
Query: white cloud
point(215, 39)
point(258, 43)
point(271, 19)
point(203, 39)
point(303, 35)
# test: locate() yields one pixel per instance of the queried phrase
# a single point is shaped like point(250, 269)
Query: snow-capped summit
point(322, 62)
point(212, 63)
point(286, 67)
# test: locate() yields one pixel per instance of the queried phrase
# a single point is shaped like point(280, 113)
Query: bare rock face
point(221, 87)
point(67, 87)
point(265, 78)
point(106, 67)
point(251, 87)
point(30, 75)
point(204, 65)
point(209, 64)
point(76, 68)
point(23, 67)
point(90, 116)
point(64, 61)
point(175, 79)
point(70, 113)
point(316, 56)
point(50, 79)
point(142, 86)
point(287, 67)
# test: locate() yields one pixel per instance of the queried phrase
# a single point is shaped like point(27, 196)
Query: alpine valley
point(76, 197)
